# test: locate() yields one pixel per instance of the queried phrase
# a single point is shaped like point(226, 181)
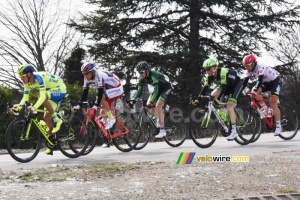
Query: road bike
point(206, 124)
point(288, 117)
point(23, 136)
point(121, 134)
point(175, 125)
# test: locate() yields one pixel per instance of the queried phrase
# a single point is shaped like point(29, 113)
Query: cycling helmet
point(210, 62)
point(142, 66)
point(25, 69)
point(249, 59)
point(87, 67)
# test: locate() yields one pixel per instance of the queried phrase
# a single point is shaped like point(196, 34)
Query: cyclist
point(157, 99)
point(51, 90)
point(268, 80)
point(229, 83)
point(109, 88)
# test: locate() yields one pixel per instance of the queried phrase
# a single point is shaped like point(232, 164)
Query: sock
point(109, 115)
point(278, 124)
point(233, 127)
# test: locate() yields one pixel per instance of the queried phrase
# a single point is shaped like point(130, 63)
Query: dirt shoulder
point(276, 173)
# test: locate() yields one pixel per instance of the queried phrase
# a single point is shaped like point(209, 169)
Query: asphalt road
point(158, 151)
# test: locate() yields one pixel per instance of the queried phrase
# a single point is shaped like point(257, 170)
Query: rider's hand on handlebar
point(150, 105)
point(195, 102)
point(31, 109)
point(130, 104)
point(15, 109)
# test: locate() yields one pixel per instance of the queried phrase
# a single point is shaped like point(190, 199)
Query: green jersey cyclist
point(157, 99)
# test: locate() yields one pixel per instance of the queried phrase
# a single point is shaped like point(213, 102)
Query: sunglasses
point(248, 65)
point(85, 74)
point(207, 69)
point(142, 72)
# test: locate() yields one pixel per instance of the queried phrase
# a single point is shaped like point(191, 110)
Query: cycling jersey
point(159, 81)
point(45, 83)
point(106, 82)
point(264, 74)
point(269, 74)
point(228, 81)
point(103, 79)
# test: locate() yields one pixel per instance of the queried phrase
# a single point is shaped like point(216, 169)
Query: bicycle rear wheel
point(21, 148)
point(127, 142)
point(289, 122)
point(72, 138)
point(248, 125)
point(176, 130)
point(203, 131)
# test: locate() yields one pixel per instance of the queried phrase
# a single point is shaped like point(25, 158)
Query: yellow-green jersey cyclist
point(229, 83)
point(51, 90)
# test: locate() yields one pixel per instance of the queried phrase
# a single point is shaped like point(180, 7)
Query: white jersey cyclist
point(108, 81)
point(269, 74)
point(109, 88)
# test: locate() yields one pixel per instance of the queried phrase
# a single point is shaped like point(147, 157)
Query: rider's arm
point(245, 82)
point(25, 94)
point(207, 82)
point(42, 87)
point(139, 89)
point(84, 95)
point(100, 94)
point(155, 93)
point(223, 80)
point(259, 82)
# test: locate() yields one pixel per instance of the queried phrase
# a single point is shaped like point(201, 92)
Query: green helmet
point(210, 62)
point(142, 66)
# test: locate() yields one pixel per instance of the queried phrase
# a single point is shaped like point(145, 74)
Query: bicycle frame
point(268, 121)
point(207, 115)
point(41, 129)
point(92, 115)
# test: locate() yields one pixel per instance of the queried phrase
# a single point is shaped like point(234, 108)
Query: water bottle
point(220, 112)
point(270, 112)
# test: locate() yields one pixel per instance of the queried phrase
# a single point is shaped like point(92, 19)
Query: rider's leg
point(273, 104)
point(230, 108)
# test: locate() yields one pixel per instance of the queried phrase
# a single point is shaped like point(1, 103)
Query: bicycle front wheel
point(289, 122)
point(176, 130)
point(73, 138)
point(203, 129)
point(146, 131)
point(248, 125)
point(126, 142)
point(23, 148)
point(92, 130)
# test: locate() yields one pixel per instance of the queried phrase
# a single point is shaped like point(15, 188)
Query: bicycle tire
point(203, 137)
point(72, 138)
point(93, 137)
point(20, 149)
point(176, 129)
point(289, 122)
point(128, 142)
point(146, 132)
point(248, 125)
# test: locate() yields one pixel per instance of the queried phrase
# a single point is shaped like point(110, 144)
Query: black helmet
point(142, 66)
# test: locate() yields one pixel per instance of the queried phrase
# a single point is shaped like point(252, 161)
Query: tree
point(73, 65)
point(182, 34)
point(286, 50)
point(35, 32)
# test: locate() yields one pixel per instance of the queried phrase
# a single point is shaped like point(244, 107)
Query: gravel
point(268, 174)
